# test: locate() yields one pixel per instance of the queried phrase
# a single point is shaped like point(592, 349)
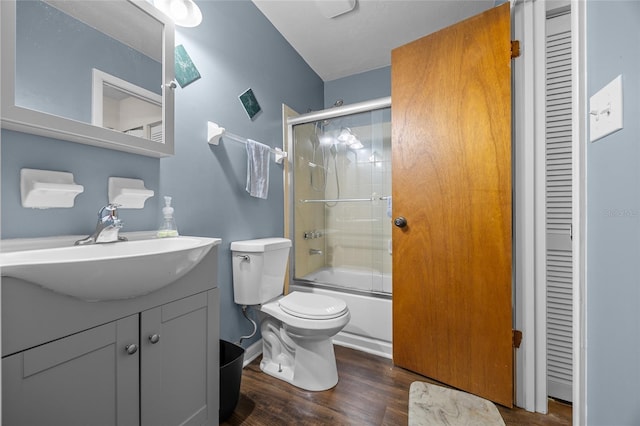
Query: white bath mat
point(436, 405)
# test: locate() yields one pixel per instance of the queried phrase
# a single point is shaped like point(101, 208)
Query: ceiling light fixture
point(333, 8)
point(184, 13)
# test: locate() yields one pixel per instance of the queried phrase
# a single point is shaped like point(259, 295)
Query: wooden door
point(451, 115)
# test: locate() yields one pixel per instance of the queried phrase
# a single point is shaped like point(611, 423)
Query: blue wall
point(613, 222)
point(234, 48)
point(91, 167)
point(358, 88)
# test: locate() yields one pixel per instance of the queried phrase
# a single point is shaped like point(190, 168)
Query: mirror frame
point(39, 123)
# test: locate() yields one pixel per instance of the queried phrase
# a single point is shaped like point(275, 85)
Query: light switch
point(605, 110)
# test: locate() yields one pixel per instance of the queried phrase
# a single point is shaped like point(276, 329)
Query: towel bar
point(215, 132)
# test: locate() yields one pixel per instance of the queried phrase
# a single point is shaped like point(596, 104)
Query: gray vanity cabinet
point(96, 376)
point(86, 378)
point(178, 356)
point(69, 362)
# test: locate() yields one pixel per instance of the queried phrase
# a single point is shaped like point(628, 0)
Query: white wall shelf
point(128, 193)
point(43, 189)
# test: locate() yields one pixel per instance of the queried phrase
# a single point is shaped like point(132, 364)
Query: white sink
point(101, 272)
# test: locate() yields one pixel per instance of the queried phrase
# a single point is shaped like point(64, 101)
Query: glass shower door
point(342, 217)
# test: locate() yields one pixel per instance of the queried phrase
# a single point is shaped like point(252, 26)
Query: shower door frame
point(291, 119)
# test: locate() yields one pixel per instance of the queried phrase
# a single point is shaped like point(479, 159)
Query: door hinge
point(517, 338)
point(515, 49)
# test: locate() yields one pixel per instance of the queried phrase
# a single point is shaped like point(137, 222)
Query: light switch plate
point(605, 110)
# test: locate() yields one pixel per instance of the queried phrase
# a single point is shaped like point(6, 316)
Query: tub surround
point(341, 214)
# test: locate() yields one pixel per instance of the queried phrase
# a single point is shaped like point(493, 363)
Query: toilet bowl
point(297, 329)
point(303, 355)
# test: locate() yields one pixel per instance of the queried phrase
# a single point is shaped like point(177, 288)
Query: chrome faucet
point(107, 228)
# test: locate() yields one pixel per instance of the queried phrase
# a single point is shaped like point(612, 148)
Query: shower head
point(336, 104)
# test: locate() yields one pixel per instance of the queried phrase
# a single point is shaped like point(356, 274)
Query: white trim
point(100, 78)
point(540, 195)
point(529, 199)
point(348, 340)
point(252, 352)
point(523, 209)
point(364, 344)
point(540, 18)
point(578, 34)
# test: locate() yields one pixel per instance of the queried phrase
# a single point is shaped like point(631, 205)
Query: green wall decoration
point(186, 72)
point(250, 103)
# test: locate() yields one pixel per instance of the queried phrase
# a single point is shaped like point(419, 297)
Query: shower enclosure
point(340, 213)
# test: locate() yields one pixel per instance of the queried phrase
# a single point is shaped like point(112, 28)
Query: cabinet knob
point(154, 338)
point(131, 349)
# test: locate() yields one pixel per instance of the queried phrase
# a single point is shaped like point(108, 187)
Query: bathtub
point(369, 329)
point(352, 278)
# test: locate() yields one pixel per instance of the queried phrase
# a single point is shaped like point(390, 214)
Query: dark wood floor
point(371, 391)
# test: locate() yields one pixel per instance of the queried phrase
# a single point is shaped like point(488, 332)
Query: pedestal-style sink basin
point(101, 272)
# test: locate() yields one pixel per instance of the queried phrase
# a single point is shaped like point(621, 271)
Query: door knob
point(131, 349)
point(400, 222)
point(154, 338)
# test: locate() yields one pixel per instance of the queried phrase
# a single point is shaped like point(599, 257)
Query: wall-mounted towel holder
point(215, 132)
point(43, 189)
point(128, 193)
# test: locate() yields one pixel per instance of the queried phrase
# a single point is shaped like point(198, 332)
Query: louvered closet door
point(558, 211)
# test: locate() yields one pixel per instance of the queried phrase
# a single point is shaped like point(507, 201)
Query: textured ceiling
point(361, 40)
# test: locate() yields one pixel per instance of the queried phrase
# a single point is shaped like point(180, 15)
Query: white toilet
point(296, 329)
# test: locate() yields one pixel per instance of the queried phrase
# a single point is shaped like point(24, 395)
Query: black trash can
point(231, 360)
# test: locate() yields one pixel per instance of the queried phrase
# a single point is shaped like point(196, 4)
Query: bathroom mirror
point(96, 72)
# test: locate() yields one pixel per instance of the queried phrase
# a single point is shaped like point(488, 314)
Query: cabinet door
point(180, 368)
point(88, 378)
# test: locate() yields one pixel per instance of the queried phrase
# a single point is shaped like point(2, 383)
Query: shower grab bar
point(346, 200)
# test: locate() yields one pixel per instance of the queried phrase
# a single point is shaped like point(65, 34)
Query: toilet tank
point(259, 268)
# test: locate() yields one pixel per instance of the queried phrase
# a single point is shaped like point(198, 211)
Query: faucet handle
point(110, 211)
point(111, 207)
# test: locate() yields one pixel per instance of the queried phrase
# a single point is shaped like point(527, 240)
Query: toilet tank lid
point(261, 244)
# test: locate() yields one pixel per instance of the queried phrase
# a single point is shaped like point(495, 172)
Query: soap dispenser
point(168, 227)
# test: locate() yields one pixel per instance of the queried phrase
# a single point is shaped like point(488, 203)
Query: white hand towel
point(257, 169)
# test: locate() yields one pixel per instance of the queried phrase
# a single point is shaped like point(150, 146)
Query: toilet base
point(307, 362)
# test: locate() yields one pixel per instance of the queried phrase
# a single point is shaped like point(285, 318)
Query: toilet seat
point(312, 306)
